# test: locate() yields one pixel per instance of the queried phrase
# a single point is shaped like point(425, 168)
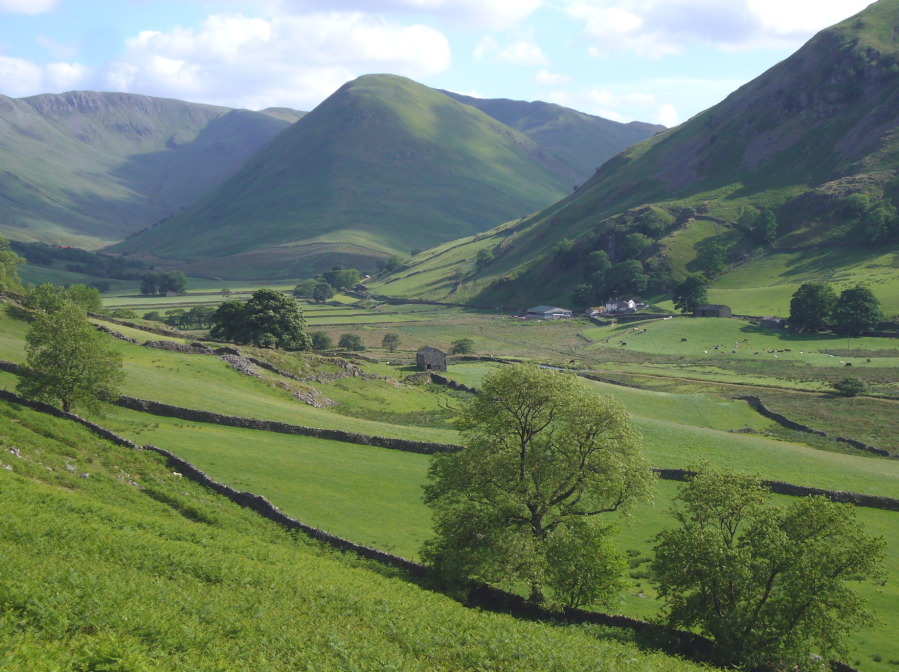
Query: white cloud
point(288, 60)
point(546, 78)
point(478, 14)
point(666, 115)
point(20, 77)
point(521, 52)
point(27, 6)
point(657, 28)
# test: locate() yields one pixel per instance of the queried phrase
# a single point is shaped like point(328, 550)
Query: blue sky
point(651, 60)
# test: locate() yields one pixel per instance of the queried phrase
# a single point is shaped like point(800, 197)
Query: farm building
point(548, 313)
point(170, 294)
point(431, 359)
point(773, 323)
point(712, 311)
point(620, 305)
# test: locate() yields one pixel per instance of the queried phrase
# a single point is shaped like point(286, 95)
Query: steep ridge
point(814, 129)
point(384, 165)
point(90, 168)
point(580, 141)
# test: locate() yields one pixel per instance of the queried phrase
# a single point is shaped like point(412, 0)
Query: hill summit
point(382, 166)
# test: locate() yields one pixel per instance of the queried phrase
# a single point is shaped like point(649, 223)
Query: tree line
point(162, 283)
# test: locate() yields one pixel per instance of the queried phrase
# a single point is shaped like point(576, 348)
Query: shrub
point(851, 387)
point(321, 341)
point(351, 342)
point(391, 341)
point(463, 346)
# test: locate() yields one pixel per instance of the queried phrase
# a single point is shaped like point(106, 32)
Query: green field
point(135, 569)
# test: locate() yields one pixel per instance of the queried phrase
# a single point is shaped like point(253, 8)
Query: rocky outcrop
point(311, 398)
point(173, 346)
point(241, 365)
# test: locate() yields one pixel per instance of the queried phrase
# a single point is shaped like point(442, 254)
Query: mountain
point(382, 166)
point(580, 141)
point(88, 169)
point(797, 141)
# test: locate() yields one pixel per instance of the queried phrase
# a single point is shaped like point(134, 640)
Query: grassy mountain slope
point(581, 141)
point(383, 165)
point(133, 568)
point(88, 169)
point(814, 129)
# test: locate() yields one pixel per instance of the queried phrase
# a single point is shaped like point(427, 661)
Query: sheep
point(176, 474)
point(683, 340)
point(848, 364)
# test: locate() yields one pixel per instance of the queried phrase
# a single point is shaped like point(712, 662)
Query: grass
point(134, 569)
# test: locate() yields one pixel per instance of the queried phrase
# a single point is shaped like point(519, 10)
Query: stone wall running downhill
point(453, 384)
point(784, 421)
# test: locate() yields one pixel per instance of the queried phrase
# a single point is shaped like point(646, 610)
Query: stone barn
point(772, 322)
point(712, 311)
point(431, 359)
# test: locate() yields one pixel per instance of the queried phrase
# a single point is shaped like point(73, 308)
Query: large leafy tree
point(544, 458)
point(812, 306)
point(227, 321)
point(766, 583)
point(857, 311)
point(322, 292)
point(69, 362)
point(391, 341)
point(9, 267)
point(51, 298)
point(691, 293)
point(627, 277)
point(270, 317)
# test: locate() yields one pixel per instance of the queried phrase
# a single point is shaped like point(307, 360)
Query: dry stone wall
point(139, 327)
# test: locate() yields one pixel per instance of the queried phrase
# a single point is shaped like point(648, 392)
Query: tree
point(484, 257)
point(584, 566)
point(153, 316)
point(415, 251)
point(391, 341)
point(764, 229)
point(850, 387)
point(273, 313)
point(712, 260)
point(463, 346)
point(306, 288)
point(855, 205)
point(691, 293)
point(226, 293)
point(351, 342)
point(626, 278)
point(655, 222)
point(766, 583)
point(543, 456)
point(633, 245)
point(124, 314)
point(341, 278)
point(597, 264)
point(393, 263)
point(9, 268)
point(321, 341)
point(322, 292)
point(50, 298)
point(174, 281)
point(582, 296)
point(748, 218)
point(812, 306)
point(149, 284)
point(69, 361)
point(857, 311)
point(880, 222)
point(227, 321)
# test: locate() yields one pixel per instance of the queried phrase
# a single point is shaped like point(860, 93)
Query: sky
point(659, 61)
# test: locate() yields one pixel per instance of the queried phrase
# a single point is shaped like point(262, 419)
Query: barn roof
point(428, 349)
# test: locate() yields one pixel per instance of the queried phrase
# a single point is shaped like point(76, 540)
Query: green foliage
point(656, 222)
point(51, 298)
point(583, 296)
point(391, 341)
point(69, 362)
point(764, 229)
point(484, 257)
point(341, 278)
point(161, 283)
point(857, 311)
point(851, 387)
point(584, 567)
point(124, 314)
point(9, 267)
point(766, 583)
point(812, 306)
point(543, 454)
point(269, 319)
point(633, 245)
point(463, 346)
point(305, 288)
point(881, 222)
point(153, 316)
point(748, 219)
point(627, 277)
point(712, 260)
point(390, 264)
point(597, 264)
point(321, 341)
point(855, 205)
point(351, 342)
point(563, 249)
point(322, 292)
point(691, 293)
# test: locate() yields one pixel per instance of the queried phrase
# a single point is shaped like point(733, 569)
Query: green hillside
point(382, 166)
point(798, 140)
point(88, 169)
point(580, 141)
